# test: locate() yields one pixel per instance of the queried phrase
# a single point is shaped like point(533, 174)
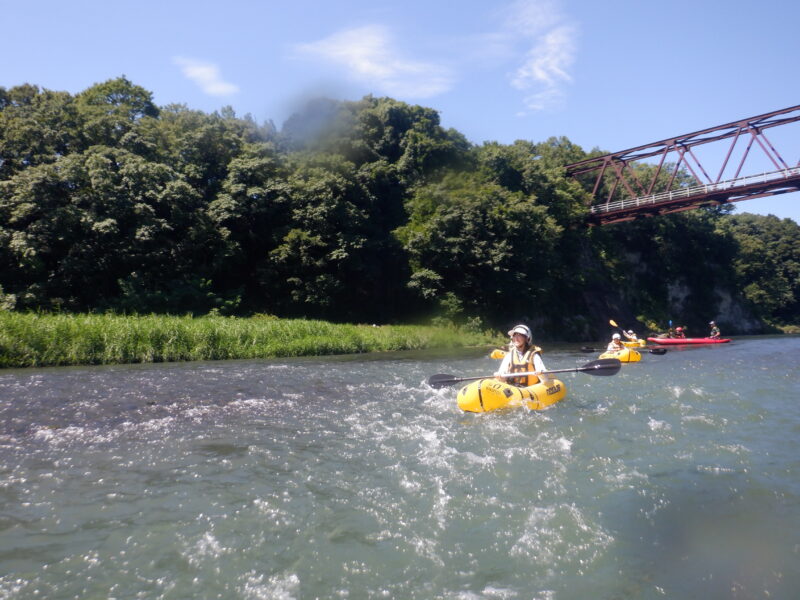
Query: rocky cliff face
point(692, 304)
point(602, 300)
point(733, 317)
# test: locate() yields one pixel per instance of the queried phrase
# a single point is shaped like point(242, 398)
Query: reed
point(45, 339)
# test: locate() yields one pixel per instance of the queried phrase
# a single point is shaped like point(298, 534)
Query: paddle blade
point(613, 323)
point(658, 350)
point(442, 380)
point(587, 349)
point(603, 366)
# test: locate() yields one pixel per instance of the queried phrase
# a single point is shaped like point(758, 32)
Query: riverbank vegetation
point(36, 339)
point(351, 212)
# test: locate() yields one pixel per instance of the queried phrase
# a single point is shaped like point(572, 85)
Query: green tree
point(36, 127)
point(478, 249)
point(78, 229)
point(377, 129)
point(252, 214)
point(337, 261)
point(363, 211)
point(110, 109)
point(767, 264)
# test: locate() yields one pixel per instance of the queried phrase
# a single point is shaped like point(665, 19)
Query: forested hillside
point(366, 211)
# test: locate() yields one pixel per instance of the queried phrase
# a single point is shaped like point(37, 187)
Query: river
point(348, 477)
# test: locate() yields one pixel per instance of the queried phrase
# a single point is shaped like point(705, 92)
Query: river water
point(349, 477)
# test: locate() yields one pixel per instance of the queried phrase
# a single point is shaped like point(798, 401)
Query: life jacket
point(521, 364)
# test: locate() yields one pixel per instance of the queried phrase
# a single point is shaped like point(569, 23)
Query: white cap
point(523, 329)
point(616, 336)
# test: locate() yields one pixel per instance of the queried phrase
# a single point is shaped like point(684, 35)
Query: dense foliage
point(366, 211)
point(766, 264)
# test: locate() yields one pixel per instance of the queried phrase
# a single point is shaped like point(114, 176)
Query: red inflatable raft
point(675, 341)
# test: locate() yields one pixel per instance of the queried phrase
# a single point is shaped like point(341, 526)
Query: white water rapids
point(348, 477)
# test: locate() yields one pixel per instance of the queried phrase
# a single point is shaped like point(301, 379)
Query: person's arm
point(538, 363)
point(504, 366)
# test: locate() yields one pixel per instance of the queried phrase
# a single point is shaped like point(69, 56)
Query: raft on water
point(627, 355)
point(485, 395)
point(635, 344)
point(677, 341)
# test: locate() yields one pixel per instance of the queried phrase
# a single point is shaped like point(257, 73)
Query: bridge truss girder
point(617, 171)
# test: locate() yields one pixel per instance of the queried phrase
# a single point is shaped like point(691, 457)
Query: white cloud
point(206, 75)
point(546, 67)
point(534, 39)
point(366, 53)
point(548, 62)
point(547, 98)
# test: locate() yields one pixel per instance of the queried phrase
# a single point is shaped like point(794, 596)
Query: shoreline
point(54, 340)
point(81, 339)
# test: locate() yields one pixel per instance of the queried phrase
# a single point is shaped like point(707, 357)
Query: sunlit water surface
point(350, 478)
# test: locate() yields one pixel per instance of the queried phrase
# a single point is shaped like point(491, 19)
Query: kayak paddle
point(604, 366)
point(613, 323)
point(658, 351)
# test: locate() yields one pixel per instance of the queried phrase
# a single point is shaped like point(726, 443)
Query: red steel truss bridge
point(628, 192)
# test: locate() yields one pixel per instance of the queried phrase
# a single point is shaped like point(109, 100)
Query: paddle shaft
point(458, 379)
point(592, 366)
point(636, 348)
point(606, 366)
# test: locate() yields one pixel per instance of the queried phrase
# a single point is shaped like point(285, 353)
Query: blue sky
point(612, 75)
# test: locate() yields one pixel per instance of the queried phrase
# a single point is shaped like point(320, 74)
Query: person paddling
point(522, 356)
point(679, 333)
point(615, 345)
point(631, 335)
point(715, 333)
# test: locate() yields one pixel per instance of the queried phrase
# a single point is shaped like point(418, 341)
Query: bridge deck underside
point(605, 214)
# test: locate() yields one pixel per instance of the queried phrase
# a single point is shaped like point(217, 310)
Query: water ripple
point(349, 477)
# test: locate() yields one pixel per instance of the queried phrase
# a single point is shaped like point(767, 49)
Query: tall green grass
point(43, 339)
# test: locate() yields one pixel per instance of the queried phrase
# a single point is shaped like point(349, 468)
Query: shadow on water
point(711, 537)
point(222, 450)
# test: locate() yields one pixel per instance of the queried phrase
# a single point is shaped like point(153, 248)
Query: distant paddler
point(615, 345)
point(715, 333)
point(617, 349)
point(633, 340)
point(631, 335)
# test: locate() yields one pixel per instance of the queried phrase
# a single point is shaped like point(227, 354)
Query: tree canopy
point(365, 211)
